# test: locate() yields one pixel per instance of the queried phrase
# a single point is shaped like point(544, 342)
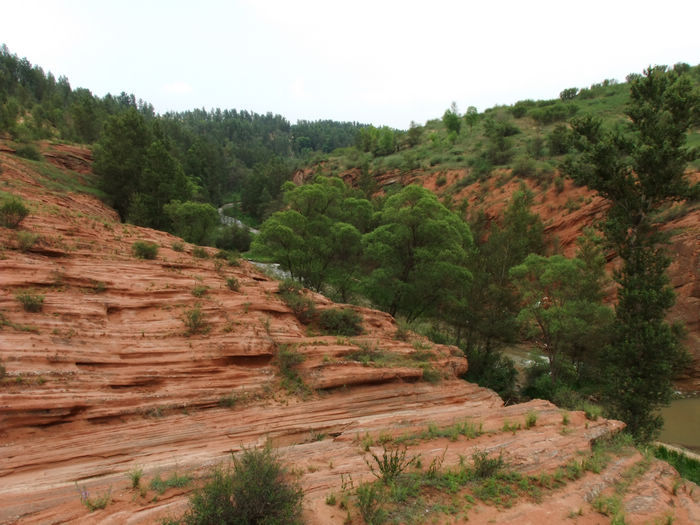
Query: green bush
point(31, 302)
point(256, 491)
point(200, 252)
point(492, 369)
point(178, 246)
point(524, 167)
point(200, 290)
point(341, 321)
point(25, 240)
point(233, 284)
point(194, 320)
point(144, 249)
point(303, 307)
point(29, 151)
point(12, 213)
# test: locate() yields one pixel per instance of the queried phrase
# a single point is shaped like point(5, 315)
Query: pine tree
point(639, 170)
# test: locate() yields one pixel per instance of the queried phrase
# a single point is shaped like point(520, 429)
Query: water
point(682, 423)
point(681, 418)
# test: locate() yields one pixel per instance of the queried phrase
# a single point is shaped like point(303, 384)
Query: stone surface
point(105, 380)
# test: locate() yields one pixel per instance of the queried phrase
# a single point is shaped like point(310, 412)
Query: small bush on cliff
point(341, 321)
point(257, 490)
point(292, 294)
point(144, 249)
point(194, 320)
point(31, 302)
point(12, 213)
point(29, 151)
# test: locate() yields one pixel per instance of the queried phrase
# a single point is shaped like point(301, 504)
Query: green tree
point(451, 119)
point(195, 222)
point(318, 238)
point(120, 155)
point(562, 309)
point(471, 117)
point(416, 255)
point(638, 172)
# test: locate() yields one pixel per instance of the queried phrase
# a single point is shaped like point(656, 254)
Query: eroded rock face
point(108, 378)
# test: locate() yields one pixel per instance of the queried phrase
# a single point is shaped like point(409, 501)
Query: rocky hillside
point(565, 211)
point(115, 364)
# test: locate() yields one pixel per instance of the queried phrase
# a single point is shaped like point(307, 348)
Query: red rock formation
point(105, 379)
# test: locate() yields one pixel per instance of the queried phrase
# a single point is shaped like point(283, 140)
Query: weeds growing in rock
point(135, 475)
point(194, 320)
point(96, 502)
point(530, 419)
point(233, 284)
point(303, 307)
point(25, 240)
point(31, 302)
point(392, 463)
point(175, 480)
point(200, 252)
point(200, 290)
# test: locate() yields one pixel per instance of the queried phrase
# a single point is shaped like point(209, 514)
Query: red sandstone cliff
point(104, 379)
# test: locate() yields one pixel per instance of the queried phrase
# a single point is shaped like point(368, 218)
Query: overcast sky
point(380, 62)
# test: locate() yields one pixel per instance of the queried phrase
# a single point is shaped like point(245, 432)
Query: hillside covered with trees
point(436, 261)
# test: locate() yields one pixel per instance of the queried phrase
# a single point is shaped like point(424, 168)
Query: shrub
point(257, 490)
point(485, 467)
point(200, 252)
point(392, 463)
point(341, 321)
point(194, 320)
point(3, 371)
point(31, 302)
point(492, 369)
point(233, 284)
point(200, 290)
point(135, 475)
point(524, 167)
point(303, 307)
point(178, 246)
point(234, 237)
point(12, 213)
point(369, 499)
point(96, 502)
point(530, 419)
point(144, 249)
point(29, 151)
point(25, 240)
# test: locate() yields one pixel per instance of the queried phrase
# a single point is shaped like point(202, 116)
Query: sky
point(382, 62)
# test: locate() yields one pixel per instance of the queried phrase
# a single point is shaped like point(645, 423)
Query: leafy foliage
point(637, 173)
point(341, 321)
point(12, 213)
point(416, 255)
point(144, 249)
point(257, 490)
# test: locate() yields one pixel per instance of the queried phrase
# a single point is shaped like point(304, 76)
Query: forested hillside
point(403, 220)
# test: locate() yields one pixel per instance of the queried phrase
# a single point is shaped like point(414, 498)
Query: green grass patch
point(687, 467)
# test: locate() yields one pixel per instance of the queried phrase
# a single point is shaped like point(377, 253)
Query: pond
point(682, 423)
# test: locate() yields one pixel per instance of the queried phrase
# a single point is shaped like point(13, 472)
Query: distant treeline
point(224, 153)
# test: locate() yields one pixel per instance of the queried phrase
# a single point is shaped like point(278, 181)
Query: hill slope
point(106, 379)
